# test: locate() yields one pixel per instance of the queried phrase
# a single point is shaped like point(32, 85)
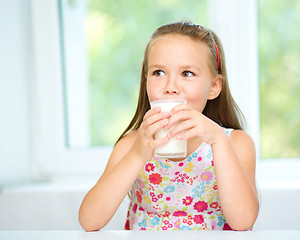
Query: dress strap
point(228, 130)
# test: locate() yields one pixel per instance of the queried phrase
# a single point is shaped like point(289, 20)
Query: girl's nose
point(172, 88)
point(172, 91)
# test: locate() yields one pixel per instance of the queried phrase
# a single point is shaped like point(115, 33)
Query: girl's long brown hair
point(223, 109)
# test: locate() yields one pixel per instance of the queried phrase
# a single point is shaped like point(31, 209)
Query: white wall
point(55, 207)
point(15, 52)
point(48, 207)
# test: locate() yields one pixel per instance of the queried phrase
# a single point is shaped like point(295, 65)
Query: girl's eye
point(159, 73)
point(187, 74)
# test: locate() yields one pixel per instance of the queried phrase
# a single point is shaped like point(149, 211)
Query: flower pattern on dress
point(177, 195)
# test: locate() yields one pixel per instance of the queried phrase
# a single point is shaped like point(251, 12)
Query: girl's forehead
point(173, 36)
point(172, 44)
point(170, 39)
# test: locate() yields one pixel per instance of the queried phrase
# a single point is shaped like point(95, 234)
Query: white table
point(150, 235)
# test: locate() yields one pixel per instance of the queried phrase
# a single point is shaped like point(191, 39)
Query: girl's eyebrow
point(156, 66)
point(182, 67)
point(189, 66)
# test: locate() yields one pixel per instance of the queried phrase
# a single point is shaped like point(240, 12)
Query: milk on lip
point(174, 148)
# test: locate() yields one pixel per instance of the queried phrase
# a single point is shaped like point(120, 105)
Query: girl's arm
point(234, 161)
point(103, 200)
point(124, 165)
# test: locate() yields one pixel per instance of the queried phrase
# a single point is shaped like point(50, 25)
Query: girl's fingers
point(178, 116)
point(180, 107)
point(160, 142)
point(152, 111)
point(153, 128)
point(153, 118)
point(185, 135)
point(180, 128)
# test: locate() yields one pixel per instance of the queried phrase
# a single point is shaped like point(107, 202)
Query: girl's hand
point(193, 123)
point(145, 144)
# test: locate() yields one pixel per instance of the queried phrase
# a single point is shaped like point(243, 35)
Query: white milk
point(174, 148)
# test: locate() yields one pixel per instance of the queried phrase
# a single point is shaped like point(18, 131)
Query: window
point(279, 61)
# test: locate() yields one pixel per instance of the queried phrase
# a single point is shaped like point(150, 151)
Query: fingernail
point(165, 122)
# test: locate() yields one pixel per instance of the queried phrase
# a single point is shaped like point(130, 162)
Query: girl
point(214, 187)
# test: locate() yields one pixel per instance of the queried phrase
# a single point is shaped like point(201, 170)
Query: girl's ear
point(215, 87)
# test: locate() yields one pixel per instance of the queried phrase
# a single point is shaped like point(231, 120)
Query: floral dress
point(180, 195)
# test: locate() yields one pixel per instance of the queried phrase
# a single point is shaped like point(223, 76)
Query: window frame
point(51, 157)
point(234, 21)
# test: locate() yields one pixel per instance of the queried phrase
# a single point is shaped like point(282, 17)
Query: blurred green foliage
point(279, 65)
point(117, 34)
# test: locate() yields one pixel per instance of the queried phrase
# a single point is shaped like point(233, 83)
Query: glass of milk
point(174, 148)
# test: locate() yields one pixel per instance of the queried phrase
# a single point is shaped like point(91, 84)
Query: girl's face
point(179, 69)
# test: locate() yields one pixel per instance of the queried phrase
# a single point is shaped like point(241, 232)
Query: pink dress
point(177, 195)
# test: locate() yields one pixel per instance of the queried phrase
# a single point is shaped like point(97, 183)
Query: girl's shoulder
point(128, 138)
point(245, 151)
point(120, 150)
point(240, 136)
point(243, 145)
point(125, 143)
